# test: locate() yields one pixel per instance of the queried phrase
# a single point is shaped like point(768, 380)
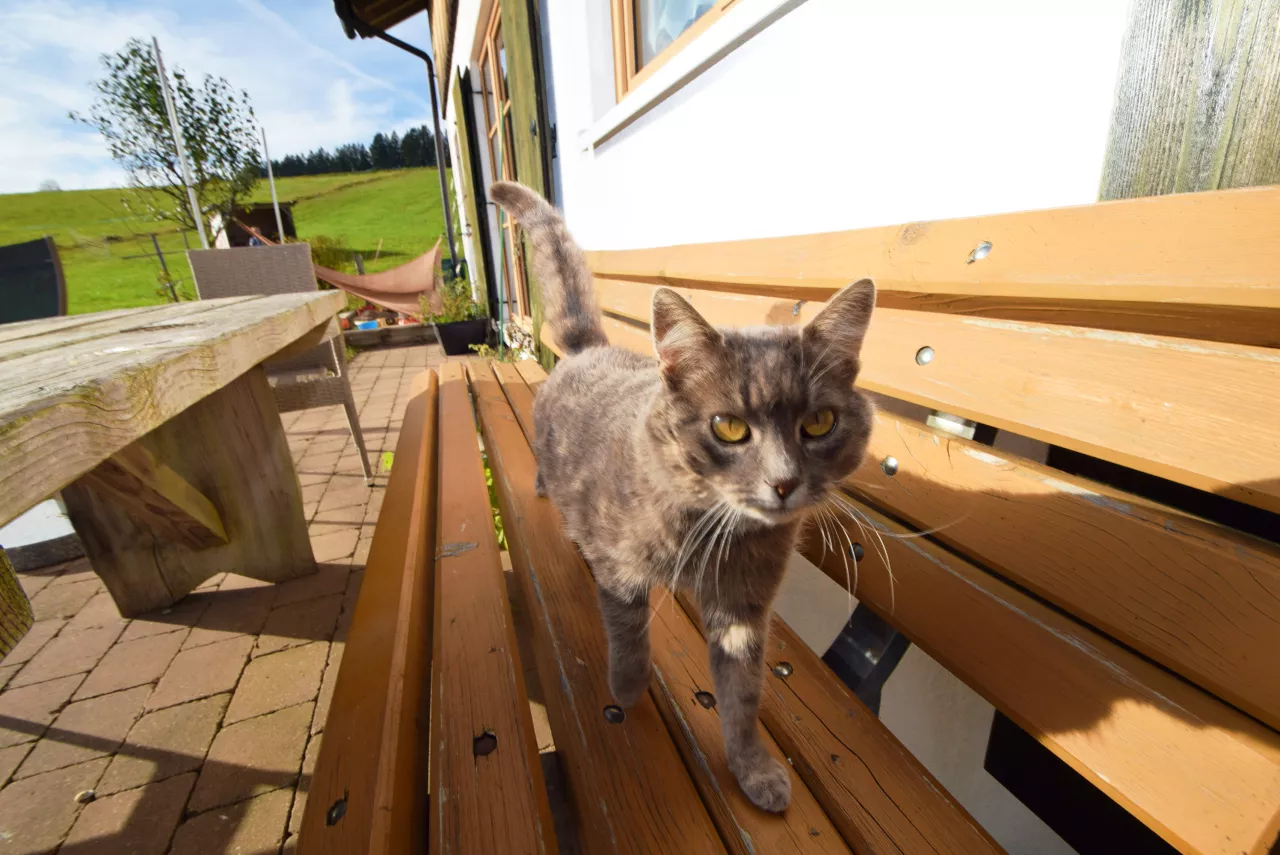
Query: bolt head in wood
point(614, 714)
point(857, 551)
point(924, 355)
point(783, 670)
point(980, 252)
point(706, 700)
point(889, 466)
point(336, 812)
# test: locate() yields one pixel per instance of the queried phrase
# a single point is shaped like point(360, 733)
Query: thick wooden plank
point(1198, 99)
point(1214, 249)
point(628, 782)
point(1201, 774)
point(152, 491)
point(680, 673)
point(65, 410)
point(320, 334)
point(487, 792)
point(16, 616)
point(231, 448)
point(1199, 413)
point(1198, 598)
point(25, 337)
point(368, 792)
point(519, 394)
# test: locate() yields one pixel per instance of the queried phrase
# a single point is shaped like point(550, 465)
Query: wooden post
point(221, 471)
point(15, 608)
point(1198, 99)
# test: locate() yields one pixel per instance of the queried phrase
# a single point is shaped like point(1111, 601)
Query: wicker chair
point(316, 378)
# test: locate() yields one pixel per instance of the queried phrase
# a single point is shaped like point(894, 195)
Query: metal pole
point(179, 145)
point(271, 179)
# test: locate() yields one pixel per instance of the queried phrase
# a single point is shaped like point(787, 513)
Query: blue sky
point(309, 84)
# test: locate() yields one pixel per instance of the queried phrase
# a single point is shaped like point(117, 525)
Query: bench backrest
point(1136, 641)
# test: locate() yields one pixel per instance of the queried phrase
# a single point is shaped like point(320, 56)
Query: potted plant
point(459, 323)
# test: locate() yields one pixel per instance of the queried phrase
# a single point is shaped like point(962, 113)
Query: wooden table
point(160, 428)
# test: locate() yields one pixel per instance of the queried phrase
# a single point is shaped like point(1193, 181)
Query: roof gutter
point(355, 26)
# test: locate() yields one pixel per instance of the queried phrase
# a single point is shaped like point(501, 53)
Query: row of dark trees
point(387, 151)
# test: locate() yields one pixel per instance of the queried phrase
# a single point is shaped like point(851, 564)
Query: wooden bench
point(1135, 641)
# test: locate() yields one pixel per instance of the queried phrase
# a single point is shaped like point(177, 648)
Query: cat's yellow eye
point(818, 424)
point(729, 428)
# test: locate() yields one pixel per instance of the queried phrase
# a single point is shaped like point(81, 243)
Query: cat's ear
point(842, 323)
point(682, 338)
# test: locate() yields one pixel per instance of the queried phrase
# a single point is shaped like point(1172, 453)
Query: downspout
point(355, 26)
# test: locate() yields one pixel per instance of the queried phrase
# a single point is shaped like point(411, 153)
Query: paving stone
point(165, 743)
point(36, 813)
point(85, 730)
point(343, 497)
point(63, 601)
point(337, 518)
point(212, 583)
point(232, 614)
point(299, 623)
point(304, 785)
point(254, 827)
point(253, 757)
point(6, 673)
point(181, 615)
point(360, 557)
point(99, 611)
point(31, 709)
point(35, 639)
point(326, 686)
point(199, 673)
point(137, 822)
point(132, 663)
point(236, 582)
point(69, 653)
point(328, 579)
point(76, 570)
point(11, 758)
point(271, 683)
point(335, 545)
point(35, 581)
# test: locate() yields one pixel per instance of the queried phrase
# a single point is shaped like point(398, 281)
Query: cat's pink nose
point(785, 487)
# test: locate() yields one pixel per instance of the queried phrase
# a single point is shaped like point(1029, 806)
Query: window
point(512, 285)
point(646, 33)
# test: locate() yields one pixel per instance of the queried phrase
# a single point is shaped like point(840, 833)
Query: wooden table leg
point(213, 489)
point(15, 608)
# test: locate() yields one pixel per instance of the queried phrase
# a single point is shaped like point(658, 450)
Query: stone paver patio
point(196, 727)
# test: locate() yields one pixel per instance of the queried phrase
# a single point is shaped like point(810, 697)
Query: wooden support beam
point(154, 492)
point(15, 608)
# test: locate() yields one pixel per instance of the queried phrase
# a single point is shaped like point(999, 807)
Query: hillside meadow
point(95, 233)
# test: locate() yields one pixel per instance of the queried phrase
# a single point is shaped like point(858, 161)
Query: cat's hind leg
point(626, 622)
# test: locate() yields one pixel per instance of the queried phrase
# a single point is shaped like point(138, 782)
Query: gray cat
point(694, 471)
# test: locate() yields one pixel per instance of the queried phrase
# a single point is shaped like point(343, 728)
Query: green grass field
point(95, 232)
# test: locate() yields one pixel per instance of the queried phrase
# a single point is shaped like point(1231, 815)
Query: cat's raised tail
point(567, 295)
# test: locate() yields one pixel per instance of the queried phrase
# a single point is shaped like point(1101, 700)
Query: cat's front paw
point(629, 680)
point(765, 781)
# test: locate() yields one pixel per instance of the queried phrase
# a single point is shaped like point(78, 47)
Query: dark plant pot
point(456, 338)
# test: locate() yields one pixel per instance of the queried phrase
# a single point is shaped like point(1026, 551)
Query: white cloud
point(309, 85)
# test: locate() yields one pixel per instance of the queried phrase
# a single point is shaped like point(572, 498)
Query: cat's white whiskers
point(686, 550)
point(855, 514)
point(850, 585)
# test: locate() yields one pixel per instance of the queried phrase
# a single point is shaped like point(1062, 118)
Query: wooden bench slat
point(681, 670)
point(1199, 413)
point(487, 790)
point(1201, 774)
point(1168, 265)
point(1198, 598)
point(628, 782)
point(368, 791)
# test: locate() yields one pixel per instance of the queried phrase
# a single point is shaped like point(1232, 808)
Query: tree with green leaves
point(218, 126)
